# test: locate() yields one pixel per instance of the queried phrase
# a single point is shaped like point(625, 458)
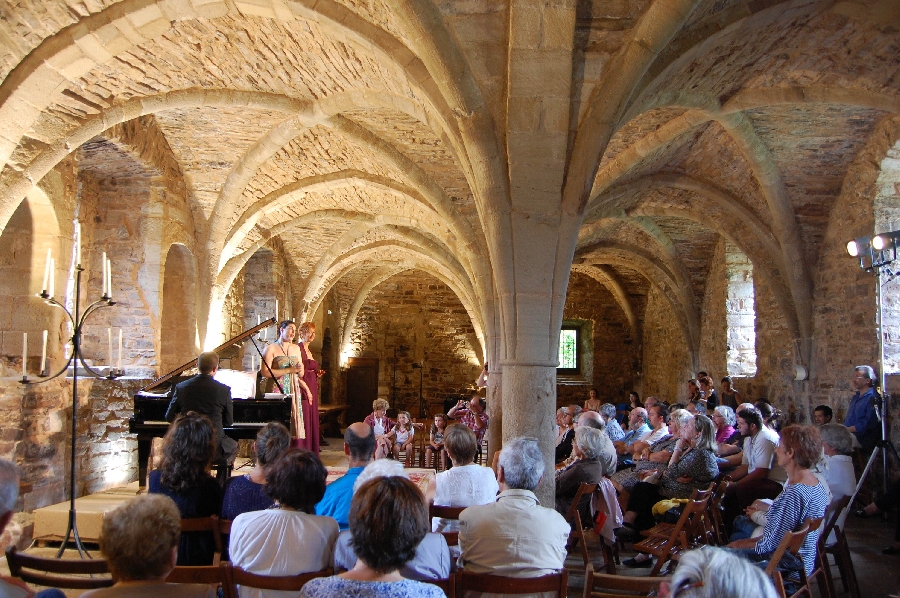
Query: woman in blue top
point(248, 492)
point(803, 498)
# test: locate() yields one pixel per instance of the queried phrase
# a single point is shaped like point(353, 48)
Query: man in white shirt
point(514, 536)
point(659, 417)
point(758, 475)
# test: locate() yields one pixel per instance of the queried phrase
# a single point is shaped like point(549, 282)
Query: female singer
point(311, 375)
point(285, 363)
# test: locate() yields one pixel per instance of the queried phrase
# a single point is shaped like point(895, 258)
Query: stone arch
point(178, 324)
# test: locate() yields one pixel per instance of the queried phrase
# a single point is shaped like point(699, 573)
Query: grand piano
point(251, 412)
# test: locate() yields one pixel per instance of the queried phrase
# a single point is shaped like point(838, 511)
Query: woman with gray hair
point(836, 466)
point(715, 573)
point(654, 458)
point(587, 468)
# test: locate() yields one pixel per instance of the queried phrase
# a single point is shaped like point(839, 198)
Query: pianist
point(211, 398)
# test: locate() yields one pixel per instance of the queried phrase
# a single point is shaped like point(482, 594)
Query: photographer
point(472, 415)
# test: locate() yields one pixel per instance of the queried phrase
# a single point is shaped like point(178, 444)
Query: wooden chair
point(86, 574)
point(480, 582)
point(600, 585)
point(206, 524)
point(448, 585)
point(416, 457)
point(664, 529)
point(447, 513)
point(288, 583)
point(841, 552)
point(573, 516)
point(681, 538)
point(217, 575)
point(792, 542)
point(822, 571)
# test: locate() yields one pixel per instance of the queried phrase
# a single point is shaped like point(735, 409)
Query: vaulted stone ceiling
point(373, 136)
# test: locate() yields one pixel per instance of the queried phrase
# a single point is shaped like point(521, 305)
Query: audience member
point(593, 403)
point(861, 419)
point(836, 467)
point(466, 483)
point(359, 446)
point(692, 407)
point(606, 451)
point(658, 415)
point(613, 429)
point(586, 468)
point(139, 541)
point(388, 519)
point(694, 394)
point(650, 402)
point(435, 446)
point(566, 433)
point(287, 539)
point(724, 418)
point(473, 416)
point(381, 425)
point(773, 418)
point(514, 536)
point(729, 397)
point(402, 434)
point(692, 467)
point(709, 393)
point(759, 475)
point(822, 415)
point(716, 573)
point(248, 492)
point(803, 498)
point(653, 458)
point(183, 476)
point(637, 427)
point(634, 400)
point(207, 396)
point(432, 559)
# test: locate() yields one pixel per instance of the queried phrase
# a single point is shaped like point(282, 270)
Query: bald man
point(359, 446)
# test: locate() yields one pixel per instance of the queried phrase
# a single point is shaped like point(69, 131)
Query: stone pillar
point(494, 396)
point(529, 393)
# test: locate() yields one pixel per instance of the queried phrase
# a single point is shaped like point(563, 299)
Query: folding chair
point(205, 524)
point(680, 540)
point(480, 582)
point(841, 551)
point(573, 516)
point(822, 570)
point(216, 575)
point(792, 542)
point(600, 585)
point(664, 529)
point(88, 574)
point(287, 583)
point(448, 585)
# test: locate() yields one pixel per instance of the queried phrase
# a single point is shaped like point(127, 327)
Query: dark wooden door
point(362, 387)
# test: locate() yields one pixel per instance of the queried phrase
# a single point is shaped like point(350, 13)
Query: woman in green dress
point(285, 362)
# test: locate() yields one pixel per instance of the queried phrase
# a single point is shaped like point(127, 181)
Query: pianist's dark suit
point(211, 398)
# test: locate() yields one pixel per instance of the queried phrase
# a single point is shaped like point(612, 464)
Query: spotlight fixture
point(876, 251)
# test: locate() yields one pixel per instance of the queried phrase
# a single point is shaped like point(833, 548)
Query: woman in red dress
point(311, 375)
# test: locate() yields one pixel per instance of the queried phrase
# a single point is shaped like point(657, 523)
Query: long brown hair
point(188, 450)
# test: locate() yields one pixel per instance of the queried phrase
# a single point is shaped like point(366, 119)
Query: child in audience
point(381, 426)
point(436, 441)
point(403, 433)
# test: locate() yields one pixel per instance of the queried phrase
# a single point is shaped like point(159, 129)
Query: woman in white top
point(287, 539)
point(466, 483)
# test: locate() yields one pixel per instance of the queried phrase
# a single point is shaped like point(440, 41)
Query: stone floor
point(879, 575)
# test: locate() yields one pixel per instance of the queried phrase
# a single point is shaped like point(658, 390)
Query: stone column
point(494, 395)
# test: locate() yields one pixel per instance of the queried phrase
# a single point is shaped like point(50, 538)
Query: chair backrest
point(206, 524)
point(289, 583)
point(40, 571)
point(481, 582)
point(448, 585)
point(831, 517)
point(601, 585)
point(715, 511)
point(445, 512)
point(584, 490)
point(792, 542)
point(688, 522)
point(211, 574)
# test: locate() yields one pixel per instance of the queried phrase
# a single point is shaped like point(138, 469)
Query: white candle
point(103, 281)
point(276, 309)
point(258, 320)
point(109, 278)
point(46, 271)
point(44, 353)
point(24, 352)
point(77, 243)
point(119, 362)
point(252, 362)
point(52, 277)
point(109, 346)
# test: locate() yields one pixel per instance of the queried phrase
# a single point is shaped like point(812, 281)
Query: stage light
point(853, 248)
point(878, 242)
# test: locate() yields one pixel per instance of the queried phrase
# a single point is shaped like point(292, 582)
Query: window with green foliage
point(569, 350)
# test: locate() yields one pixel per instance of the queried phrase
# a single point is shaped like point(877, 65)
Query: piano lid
point(193, 363)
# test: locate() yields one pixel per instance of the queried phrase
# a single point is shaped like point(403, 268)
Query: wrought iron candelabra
point(77, 320)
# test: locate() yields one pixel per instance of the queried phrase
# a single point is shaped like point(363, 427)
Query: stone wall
point(415, 310)
point(713, 323)
point(667, 365)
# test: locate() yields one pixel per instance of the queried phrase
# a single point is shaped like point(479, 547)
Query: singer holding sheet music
point(285, 362)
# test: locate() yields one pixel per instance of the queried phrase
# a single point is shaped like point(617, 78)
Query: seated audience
point(466, 483)
point(613, 429)
point(804, 496)
point(593, 403)
point(248, 492)
point(436, 442)
point(139, 540)
point(606, 451)
point(759, 475)
point(382, 425)
point(183, 476)
point(388, 519)
point(694, 394)
point(692, 467)
point(729, 396)
point(772, 417)
point(586, 468)
point(432, 559)
point(836, 466)
point(11, 587)
point(889, 501)
point(514, 536)
point(716, 573)
point(634, 400)
point(822, 415)
point(653, 458)
point(565, 423)
point(658, 415)
point(637, 427)
point(402, 434)
point(710, 396)
point(359, 446)
point(289, 538)
point(724, 419)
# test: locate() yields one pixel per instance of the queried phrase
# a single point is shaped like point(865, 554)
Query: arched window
point(740, 311)
point(887, 218)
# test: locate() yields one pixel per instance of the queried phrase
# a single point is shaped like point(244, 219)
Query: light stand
point(421, 368)
point(876, 254)
point(77, 320)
